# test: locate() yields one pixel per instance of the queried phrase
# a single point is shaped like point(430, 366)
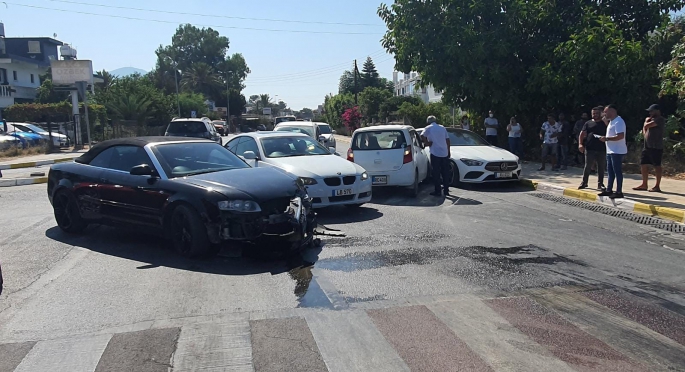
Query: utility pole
point(355, 82)
point(228, 101)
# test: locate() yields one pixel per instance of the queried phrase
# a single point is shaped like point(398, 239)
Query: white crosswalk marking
point(214, 347)
point(493, 338)
point(67, 355)
point(349, 341)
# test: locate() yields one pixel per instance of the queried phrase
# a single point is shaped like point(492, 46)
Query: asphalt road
point(491, 279)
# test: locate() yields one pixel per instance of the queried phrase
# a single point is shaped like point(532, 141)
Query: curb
point(671, 214)
point(341, 138)
point(32, 164)
point(8, 182)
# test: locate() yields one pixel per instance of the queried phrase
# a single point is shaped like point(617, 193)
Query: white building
point(22, 61)
point(409, 86)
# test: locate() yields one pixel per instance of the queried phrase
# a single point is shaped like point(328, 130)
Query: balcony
point(7, 91)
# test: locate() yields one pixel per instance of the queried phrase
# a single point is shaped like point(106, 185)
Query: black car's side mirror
point(143, 170)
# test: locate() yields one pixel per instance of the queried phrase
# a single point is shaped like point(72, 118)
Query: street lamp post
point(178, 102)
point(228, 99)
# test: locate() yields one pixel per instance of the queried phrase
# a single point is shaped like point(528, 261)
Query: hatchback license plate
point(342, 192)
point(379, 180)
point(503, 175)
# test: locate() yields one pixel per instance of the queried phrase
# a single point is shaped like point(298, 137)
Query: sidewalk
point(567, 181)
point(41, 159)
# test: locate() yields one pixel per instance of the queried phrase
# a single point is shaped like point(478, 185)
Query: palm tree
point(201, 78)
point(131, 107)
point(265, 101)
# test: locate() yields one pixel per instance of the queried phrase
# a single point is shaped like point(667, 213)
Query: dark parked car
point(194, 192)
point(261, 127)
point(195, 128)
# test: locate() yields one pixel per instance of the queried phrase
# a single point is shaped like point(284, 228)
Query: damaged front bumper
point(295, 224)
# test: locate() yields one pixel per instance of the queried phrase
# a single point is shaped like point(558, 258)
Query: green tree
point(370, 77)
point(346, 83)
point(370, 101)
point(131, 107)
point(524, 58)
point(201, 78)
point(46, 93)
point(335, 106)
point(417, 113)
point(391, 105)
point(192, 102)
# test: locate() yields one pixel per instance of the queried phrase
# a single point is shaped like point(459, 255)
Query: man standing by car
point(617, 149)
point(653, 131)
point(548, 134)
point(491, 125)
point(593, 148)
point(577, 128)
point(436, 136)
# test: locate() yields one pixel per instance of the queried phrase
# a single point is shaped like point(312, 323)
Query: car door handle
point(104, 180)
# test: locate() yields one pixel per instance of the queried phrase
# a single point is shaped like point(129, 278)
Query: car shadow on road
point(341, 215)
point(401, 197)
point(152, 252)
point(498, 187)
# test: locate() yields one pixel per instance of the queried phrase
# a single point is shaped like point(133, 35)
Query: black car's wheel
point(188, 233)
point(455, 175)
point(67, 213)
point(414, 192)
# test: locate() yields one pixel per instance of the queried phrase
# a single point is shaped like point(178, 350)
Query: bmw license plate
point(342, 192)
point(503, 175)
point(379, 180)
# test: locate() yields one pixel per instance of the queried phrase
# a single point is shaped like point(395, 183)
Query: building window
point(32, 79)
point(14, 73)
point(3, 76)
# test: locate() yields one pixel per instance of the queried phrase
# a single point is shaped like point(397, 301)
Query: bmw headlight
point(471, 162)
point(518, 160)
point(365, 176)
point(239, 206)
point(308, 181)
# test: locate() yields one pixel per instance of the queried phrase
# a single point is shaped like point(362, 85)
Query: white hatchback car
point(330, 179)
point(392, 154)
point(320, 131)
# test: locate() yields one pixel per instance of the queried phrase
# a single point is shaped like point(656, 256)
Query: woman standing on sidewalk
point(515, 145)
point(615, 140)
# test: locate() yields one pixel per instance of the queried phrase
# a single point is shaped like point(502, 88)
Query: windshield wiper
point(207, 171)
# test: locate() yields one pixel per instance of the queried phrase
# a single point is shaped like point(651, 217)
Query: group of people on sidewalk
point(603, 142)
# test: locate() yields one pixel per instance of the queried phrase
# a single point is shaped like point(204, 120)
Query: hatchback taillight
point(407, 155)
point(350, 155)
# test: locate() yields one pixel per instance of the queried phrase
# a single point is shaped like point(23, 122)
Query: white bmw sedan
point(330, 179)
point(474, 160)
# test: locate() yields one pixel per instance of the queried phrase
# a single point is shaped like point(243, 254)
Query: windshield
point(186, 127)
point(460, 137)
point(303, 130)
point(30, 128)
point(190, 158)
point(325, 129)
point(379, 140)
point(283, 147)
point(284, 118)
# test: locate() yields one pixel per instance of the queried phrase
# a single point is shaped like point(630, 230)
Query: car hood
point(317, 166)
point(258, 184)
point(484, 153)
point(327, 136)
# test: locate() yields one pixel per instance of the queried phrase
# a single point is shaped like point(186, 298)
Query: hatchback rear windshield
point(297, 129)
point(183, 127)
point(379, 140)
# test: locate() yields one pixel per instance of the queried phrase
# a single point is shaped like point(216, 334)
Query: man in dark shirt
point(577, 128)
point(653, 131)
point(594, 149)
point(564, 139)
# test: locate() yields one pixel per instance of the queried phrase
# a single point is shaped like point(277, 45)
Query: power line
point(216, 16)
point(264, 82)
point(195, 24)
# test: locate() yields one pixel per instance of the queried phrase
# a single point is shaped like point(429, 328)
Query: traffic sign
point(193, 114)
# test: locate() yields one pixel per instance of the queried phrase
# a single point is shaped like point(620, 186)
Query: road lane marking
point(349, 341)
point(493, 338)
point(284, 344)
point(214, 346)
point(68, 355)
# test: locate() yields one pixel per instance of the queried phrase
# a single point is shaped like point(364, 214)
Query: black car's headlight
point(365, 176)
point(308, 181)
point(471, 162)
point(239, 206)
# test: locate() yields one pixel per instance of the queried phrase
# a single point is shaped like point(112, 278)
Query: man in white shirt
point(436, 136)
point(548, 134)
point(616, 149)
point(491, 125)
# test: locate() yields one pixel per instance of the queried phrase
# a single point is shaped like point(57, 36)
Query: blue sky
point(300, 68)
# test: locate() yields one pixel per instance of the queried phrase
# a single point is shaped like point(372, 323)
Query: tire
point(415, 187)
point(188, 233)
point(455, 175)
point(67, 214)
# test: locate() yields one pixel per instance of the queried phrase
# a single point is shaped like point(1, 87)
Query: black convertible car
point(192, 191)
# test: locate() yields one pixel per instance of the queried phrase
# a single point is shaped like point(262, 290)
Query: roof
point(295, 124)
point(274, 134)
point(44, 39)
point(131, 141)
point(384, 127)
